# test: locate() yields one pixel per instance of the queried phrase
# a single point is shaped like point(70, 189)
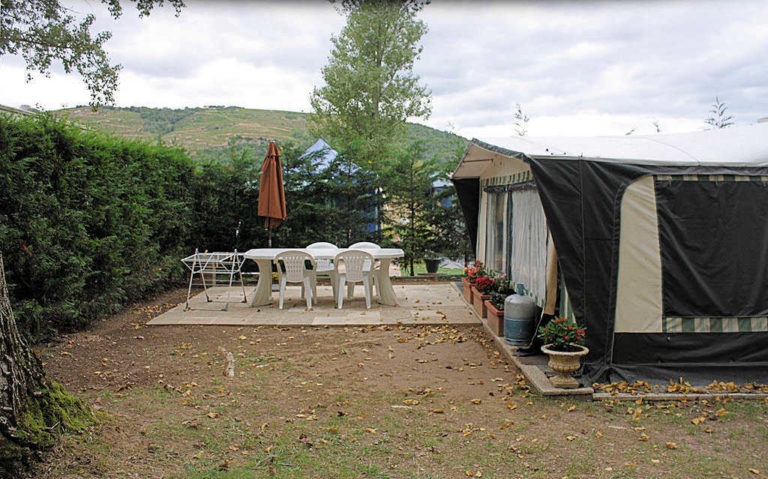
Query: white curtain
point(494, 249)
point(529, 243)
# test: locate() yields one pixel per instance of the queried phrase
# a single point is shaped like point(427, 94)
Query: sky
point(577, 68)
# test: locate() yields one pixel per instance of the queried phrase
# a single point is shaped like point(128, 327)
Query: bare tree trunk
point(33, 410)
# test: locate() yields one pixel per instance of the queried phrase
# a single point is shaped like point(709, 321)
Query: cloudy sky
point(599, 68)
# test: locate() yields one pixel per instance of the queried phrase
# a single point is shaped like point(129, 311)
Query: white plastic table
point(264, 257)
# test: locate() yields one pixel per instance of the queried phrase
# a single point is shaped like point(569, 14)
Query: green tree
point(411, 177)
point(44, 31)
point(370, 88)
point(719, 117)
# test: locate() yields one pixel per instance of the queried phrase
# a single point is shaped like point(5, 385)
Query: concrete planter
point(478, 302)
point(564, 363)
point(495, 318)
point(467, 289)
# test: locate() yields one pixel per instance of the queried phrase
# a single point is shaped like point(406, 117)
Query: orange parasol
point(271, 192)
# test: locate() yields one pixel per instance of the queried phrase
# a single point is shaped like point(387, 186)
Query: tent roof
point(735, 146)
point(324, 155)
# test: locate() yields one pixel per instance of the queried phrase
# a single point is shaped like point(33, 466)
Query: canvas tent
point(657, 244)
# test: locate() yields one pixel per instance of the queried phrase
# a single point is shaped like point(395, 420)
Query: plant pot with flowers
point(563, 343)
point(481, 291)
point(495, 313)
point(472, 272)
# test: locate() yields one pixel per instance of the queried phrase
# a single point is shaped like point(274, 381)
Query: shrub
point(87, 222)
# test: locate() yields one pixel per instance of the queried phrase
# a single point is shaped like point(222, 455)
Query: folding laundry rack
point(214, 264)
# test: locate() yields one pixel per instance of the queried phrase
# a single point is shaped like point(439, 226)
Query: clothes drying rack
point(225, 263)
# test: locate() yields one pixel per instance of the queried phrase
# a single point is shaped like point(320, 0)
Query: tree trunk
point(33, 410)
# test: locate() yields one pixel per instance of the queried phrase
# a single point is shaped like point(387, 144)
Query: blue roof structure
point(324, 154)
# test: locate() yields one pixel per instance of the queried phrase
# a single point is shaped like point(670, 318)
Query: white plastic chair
point(292, 268)
point(324, 268)
point(358, 268)
point(376, 264)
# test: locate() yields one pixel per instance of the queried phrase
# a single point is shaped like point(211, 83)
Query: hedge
point(87, 222)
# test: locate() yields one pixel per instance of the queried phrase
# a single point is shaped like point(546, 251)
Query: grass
point(421, 268)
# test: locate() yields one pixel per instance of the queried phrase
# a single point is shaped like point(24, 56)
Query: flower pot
point(467, 289)
point(478, 301)
point(564, 364)
point(495, 318)
point(432, 264)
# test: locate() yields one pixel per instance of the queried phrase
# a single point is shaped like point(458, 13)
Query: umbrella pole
point(270, 237)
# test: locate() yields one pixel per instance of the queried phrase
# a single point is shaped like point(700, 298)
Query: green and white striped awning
point(715, 324)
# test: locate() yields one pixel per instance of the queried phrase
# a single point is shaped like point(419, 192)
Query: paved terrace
point(420, 304)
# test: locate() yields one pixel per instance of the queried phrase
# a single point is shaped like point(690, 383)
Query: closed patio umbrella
point(271, 192)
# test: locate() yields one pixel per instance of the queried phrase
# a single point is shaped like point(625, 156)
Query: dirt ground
point(362, 402)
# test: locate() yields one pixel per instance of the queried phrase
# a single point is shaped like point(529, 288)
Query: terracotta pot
point(478, 301)
point(467, 289)
point(495, 318)
point(564, 364)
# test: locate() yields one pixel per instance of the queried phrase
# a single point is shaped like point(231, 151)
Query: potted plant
point(495, 312)
point(472, 271)
point(495, 304)
point(563, 343)
point(481, 290)
point(432, 262)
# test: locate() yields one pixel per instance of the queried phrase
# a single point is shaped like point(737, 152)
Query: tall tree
point(410, 186)
point(33, 410)
point(521, 121)
point(370, 88)
point(44, 31)
point(719, 117)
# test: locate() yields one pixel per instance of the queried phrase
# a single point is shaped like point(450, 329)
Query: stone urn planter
point(467, 290)
point(478, 302)
point(495, 318)
point(432, 265)
point(564, 364)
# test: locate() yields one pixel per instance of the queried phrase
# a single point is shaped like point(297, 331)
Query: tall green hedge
point(87, 222)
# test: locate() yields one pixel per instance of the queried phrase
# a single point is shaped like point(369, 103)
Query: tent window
point(494, 245)
point(529, 243)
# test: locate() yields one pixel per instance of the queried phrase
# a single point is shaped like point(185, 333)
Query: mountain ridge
point(209, 132)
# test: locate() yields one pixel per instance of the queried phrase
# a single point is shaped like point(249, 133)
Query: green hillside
point(208, 133)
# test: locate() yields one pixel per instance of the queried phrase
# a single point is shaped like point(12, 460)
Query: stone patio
point(424, 303)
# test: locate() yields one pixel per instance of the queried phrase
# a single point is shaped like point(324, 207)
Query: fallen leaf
point(671, 445)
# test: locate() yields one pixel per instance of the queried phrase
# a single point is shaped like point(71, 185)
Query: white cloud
point(580, 68)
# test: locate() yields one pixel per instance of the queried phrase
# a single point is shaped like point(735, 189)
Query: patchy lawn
point(362, 402)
